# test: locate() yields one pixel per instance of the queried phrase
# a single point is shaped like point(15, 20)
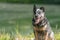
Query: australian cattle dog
point(42, 29)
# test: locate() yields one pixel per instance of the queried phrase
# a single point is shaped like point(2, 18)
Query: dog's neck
point(41, 23)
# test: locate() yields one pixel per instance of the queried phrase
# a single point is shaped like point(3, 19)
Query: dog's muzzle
point(37, 20)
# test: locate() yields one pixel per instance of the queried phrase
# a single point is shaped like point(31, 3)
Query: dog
point(42, 28)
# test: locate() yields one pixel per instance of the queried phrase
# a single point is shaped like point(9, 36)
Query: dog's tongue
point(37, 21)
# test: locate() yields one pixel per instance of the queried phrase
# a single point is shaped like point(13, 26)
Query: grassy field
point(17, 19)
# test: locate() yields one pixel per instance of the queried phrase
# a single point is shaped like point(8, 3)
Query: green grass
point(17, 18)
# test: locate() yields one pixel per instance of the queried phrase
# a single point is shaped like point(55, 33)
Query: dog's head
point(39, 14)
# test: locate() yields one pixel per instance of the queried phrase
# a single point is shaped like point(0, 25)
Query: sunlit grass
point(57, 36)
point(4, 36)
point(20, 37)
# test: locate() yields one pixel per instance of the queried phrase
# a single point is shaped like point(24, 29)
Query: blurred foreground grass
point(20, 37)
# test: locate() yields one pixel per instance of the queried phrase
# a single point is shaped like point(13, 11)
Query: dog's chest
point(40, 28)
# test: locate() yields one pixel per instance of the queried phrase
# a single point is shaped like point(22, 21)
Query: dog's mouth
point(37, 20)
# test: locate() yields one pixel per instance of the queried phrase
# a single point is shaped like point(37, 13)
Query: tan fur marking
point(40, 29)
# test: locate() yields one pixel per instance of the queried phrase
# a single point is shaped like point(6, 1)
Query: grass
point(16, 20)
point(20, 37)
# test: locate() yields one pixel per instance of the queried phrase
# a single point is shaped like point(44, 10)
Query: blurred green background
point(16, 15)
point(32, 1)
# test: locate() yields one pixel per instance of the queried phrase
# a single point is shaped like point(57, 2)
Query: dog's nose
point(35, 16)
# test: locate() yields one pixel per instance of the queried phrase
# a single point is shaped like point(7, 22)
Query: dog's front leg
point(46, 36)
point(36, 35)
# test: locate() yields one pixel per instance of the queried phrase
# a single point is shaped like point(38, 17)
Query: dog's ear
point(34, 8)
point(42, 8)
